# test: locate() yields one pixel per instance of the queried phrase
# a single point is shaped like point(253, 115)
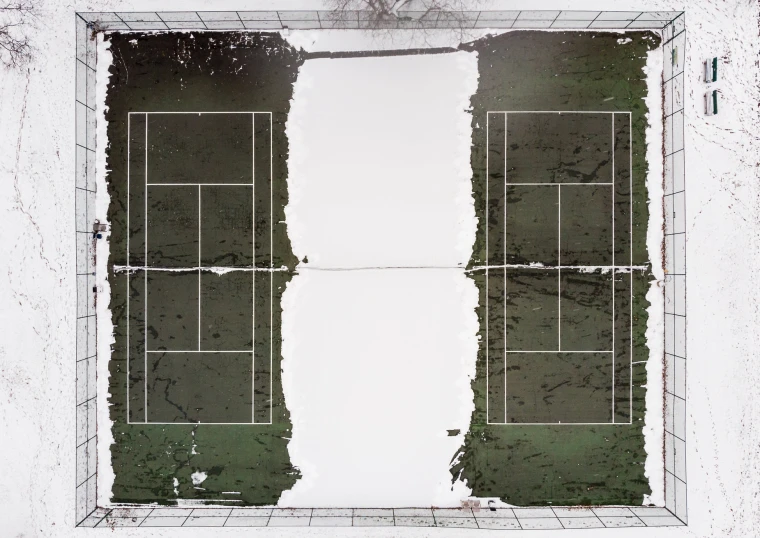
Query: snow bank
point(105, 328)
point(371, 176)
point(378, 352)
point(654, 468)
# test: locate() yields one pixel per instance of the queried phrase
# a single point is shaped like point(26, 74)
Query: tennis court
point(192, 211)
point(561, 264)
point(198, 250)
point(558, 248)
point(200, 257)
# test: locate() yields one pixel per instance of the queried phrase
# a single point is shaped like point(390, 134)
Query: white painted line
point(253, 263)
point(271, 263)
point(557, 112)
point(205, 424)
point(559, 266)
point(204, 112)
point(199, 184)
point(129, 137)
point(556, 351)
point(565, 423)
point(557, 423)
point(612, 153)
point(630, 260)
point(145, 301)
point(199, 267)
point(588, 183)
point(199, 351)
point(505, 270)
point(488, 171)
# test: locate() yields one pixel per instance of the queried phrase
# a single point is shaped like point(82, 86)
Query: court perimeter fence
point(670, 24)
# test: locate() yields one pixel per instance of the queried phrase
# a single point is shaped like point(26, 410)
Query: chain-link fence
point(672, 26)
point(674, 50)
point(84, 185)
point(279, 20)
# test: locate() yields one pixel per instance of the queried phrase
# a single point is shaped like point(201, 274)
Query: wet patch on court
point(199, 260)
point(559, 173)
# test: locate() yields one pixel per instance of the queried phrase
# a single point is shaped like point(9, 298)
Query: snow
point(379, 370)
point(377, 363)
point(198, 477)
point(37, 370)
point(654, 468)
point(105, 326)
point(379, 166)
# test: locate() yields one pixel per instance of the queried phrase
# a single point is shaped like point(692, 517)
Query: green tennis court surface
point(193, 208)
point(559, 179)
point(200, 258)
point(198, 246)
point(558, 276)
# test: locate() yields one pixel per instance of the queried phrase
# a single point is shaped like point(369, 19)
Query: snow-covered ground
point(105, 326)
point(37, 368)
point(377, 362)
point(654, 424)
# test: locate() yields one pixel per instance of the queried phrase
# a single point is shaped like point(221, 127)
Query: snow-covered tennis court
point(720, 199)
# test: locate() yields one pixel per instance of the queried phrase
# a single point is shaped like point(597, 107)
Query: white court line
point(612, 153)
point(559, 266)
point(199, 267)
point(271, 265)
point(505, 268)
point(200, 184)
point(556, 351)
point(199, 351)
point(488, 171)
point(145, 279)
point(253, 263)
point(561, 424)
point(207, 424)
point(558, 112)
point(588, 183)
point(203, 112)
point(630, 260)
point(129, 137)
point(204, 501)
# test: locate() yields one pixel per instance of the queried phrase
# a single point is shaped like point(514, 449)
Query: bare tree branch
point(419, 16)
point(15, 18)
